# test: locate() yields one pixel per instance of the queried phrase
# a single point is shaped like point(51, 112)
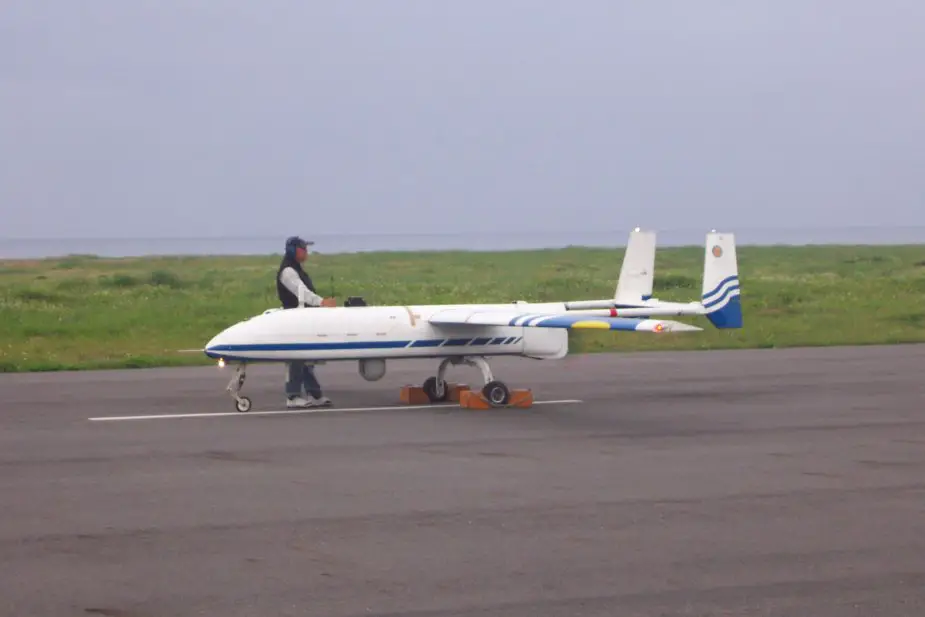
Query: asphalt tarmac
point(776, 482)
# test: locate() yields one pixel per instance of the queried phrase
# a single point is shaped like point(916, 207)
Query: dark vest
point(286, 297)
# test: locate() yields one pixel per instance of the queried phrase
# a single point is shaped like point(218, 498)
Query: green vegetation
point(88, 312)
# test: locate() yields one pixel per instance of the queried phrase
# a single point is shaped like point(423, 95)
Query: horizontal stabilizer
point(474, 317)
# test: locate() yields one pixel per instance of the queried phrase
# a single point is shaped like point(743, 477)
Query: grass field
point(87, 312)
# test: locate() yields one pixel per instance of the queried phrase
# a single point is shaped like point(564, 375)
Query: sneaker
point(322, 402)
point(298, 401)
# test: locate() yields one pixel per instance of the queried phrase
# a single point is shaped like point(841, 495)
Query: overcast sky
point(225, 117)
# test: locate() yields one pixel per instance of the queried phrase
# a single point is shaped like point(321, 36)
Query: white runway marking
point(283, 412)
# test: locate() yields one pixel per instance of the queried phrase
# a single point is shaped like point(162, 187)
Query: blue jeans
point(302, 375)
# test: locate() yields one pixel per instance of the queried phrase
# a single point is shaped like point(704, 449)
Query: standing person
point(295, 289)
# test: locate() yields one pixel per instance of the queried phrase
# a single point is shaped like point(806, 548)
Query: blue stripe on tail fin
point(724, 308)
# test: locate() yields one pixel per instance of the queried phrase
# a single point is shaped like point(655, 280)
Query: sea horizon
point(339, 243)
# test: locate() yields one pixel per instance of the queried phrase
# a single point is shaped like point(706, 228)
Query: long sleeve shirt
point(290, 278)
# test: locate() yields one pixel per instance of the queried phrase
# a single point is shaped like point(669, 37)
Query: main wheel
point(242, 404)
point(496, 393)
point(430, 389)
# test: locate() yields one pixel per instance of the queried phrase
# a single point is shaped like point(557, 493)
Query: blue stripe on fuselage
point(341, 346)
point(428, 342)
point(457, 342)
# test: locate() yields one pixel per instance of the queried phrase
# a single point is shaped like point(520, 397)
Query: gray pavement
point(777, 482)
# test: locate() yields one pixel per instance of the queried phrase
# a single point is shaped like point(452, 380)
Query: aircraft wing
point(482, 317)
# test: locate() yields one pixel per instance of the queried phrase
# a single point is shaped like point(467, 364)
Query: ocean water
point(32, 248)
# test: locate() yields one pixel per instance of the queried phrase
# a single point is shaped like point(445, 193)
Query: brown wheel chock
point(417, 395)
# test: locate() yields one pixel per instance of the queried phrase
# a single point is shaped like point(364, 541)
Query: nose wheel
point(241, 403)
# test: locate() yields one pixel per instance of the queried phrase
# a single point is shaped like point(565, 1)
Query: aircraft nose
point(212, 347)
point(228, 340)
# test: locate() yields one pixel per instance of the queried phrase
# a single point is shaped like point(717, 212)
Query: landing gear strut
point(494, 391)
point(241, 403)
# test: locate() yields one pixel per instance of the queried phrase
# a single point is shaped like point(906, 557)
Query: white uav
point(470, 333)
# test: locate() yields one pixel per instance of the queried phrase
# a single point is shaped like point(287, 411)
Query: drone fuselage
point(380, 332)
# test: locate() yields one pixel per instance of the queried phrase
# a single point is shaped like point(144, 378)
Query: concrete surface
point(726, 483)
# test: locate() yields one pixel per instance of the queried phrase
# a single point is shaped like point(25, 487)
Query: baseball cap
point(294, 242)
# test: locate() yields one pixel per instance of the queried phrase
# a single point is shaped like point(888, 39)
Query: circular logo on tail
point(717, 251)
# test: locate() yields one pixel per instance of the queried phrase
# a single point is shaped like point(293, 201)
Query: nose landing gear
point(241, 403)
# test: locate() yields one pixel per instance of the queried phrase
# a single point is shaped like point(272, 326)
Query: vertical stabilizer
point(721, 297)
point(636, 273)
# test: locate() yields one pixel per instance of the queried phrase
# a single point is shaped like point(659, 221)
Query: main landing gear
point(241, 403)
point(494, 391)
